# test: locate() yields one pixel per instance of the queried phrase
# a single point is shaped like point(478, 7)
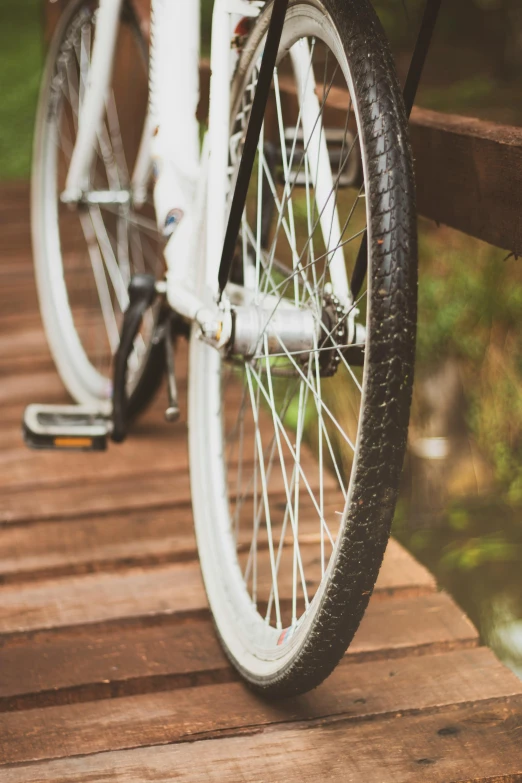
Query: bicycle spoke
point(248, 235)
point(317, 397)
point(283, 432)
point(288, 196)
point(111, 264)
point(84, 60)
point(259, 209)
point(109, 318)
point(269, 452)
point(266, 502)
point(292, 511)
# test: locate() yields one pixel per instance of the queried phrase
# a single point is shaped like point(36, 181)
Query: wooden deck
point(109, 668)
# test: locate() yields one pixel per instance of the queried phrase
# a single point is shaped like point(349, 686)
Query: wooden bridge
point(109, 667)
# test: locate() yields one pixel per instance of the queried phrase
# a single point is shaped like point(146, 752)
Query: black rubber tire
point(390, 190)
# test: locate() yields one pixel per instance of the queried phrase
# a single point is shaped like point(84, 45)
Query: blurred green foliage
point(206, 20)
point(475, 552)
point(20, 66)
point(470, 301)
point(470, 305)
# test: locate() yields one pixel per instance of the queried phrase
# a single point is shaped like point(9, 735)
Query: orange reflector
point(73, 443)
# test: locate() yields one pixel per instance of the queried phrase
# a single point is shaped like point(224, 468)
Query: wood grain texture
point(116, 655)
point(24, 470)
point(146, 537)
point(468, 175)
point(163, 590)
point(76, 498)
point(455, 744)
point(104, 661)
point(364, 691)
point(149, 470)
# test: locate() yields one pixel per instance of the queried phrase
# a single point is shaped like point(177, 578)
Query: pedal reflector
point(73, 443)
point(65, 427)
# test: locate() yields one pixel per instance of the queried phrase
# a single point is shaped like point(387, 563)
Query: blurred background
point(460, 511)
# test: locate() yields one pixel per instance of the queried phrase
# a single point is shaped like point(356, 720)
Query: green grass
point(21, 51)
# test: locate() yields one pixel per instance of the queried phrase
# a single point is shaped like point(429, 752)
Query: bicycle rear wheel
point(86, 254)
point(296, 457)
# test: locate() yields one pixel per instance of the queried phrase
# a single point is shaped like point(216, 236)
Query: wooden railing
point(469, 176)
point(468, 171)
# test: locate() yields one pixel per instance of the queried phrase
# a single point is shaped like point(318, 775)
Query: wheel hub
point(281, 330)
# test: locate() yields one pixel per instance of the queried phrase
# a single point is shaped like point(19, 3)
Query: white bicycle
point(283, 244)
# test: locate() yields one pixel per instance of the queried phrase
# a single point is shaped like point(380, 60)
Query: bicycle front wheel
point(296, 456)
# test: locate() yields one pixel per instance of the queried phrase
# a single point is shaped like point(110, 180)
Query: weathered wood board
point(109, 665)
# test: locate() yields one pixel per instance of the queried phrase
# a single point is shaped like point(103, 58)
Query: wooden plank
point(153, 443)
point(477, 743)
point(19, 324)
point(15, 241)
point(48, 666)
point(401, 574)
point(163, 590)
point(22, 467)
point(104, 661)
point(59, 548)
point(116, 493)
point(104, 597)
point(18, 338)
point(143, 537)
point(17, 262)
point(77, 484)
point(46, 386)
point(23, 346)
point(468, 174)
point(468, 171)
point(417, 625)
point(15, 190)
point(15, 296)
point(28, 364)
point(143, 490)
point(412, 684)
point(119, 611)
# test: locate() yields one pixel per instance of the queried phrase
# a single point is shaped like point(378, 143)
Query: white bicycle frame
point(191, 186)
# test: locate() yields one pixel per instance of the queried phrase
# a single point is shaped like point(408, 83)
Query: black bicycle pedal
point(65, 428)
